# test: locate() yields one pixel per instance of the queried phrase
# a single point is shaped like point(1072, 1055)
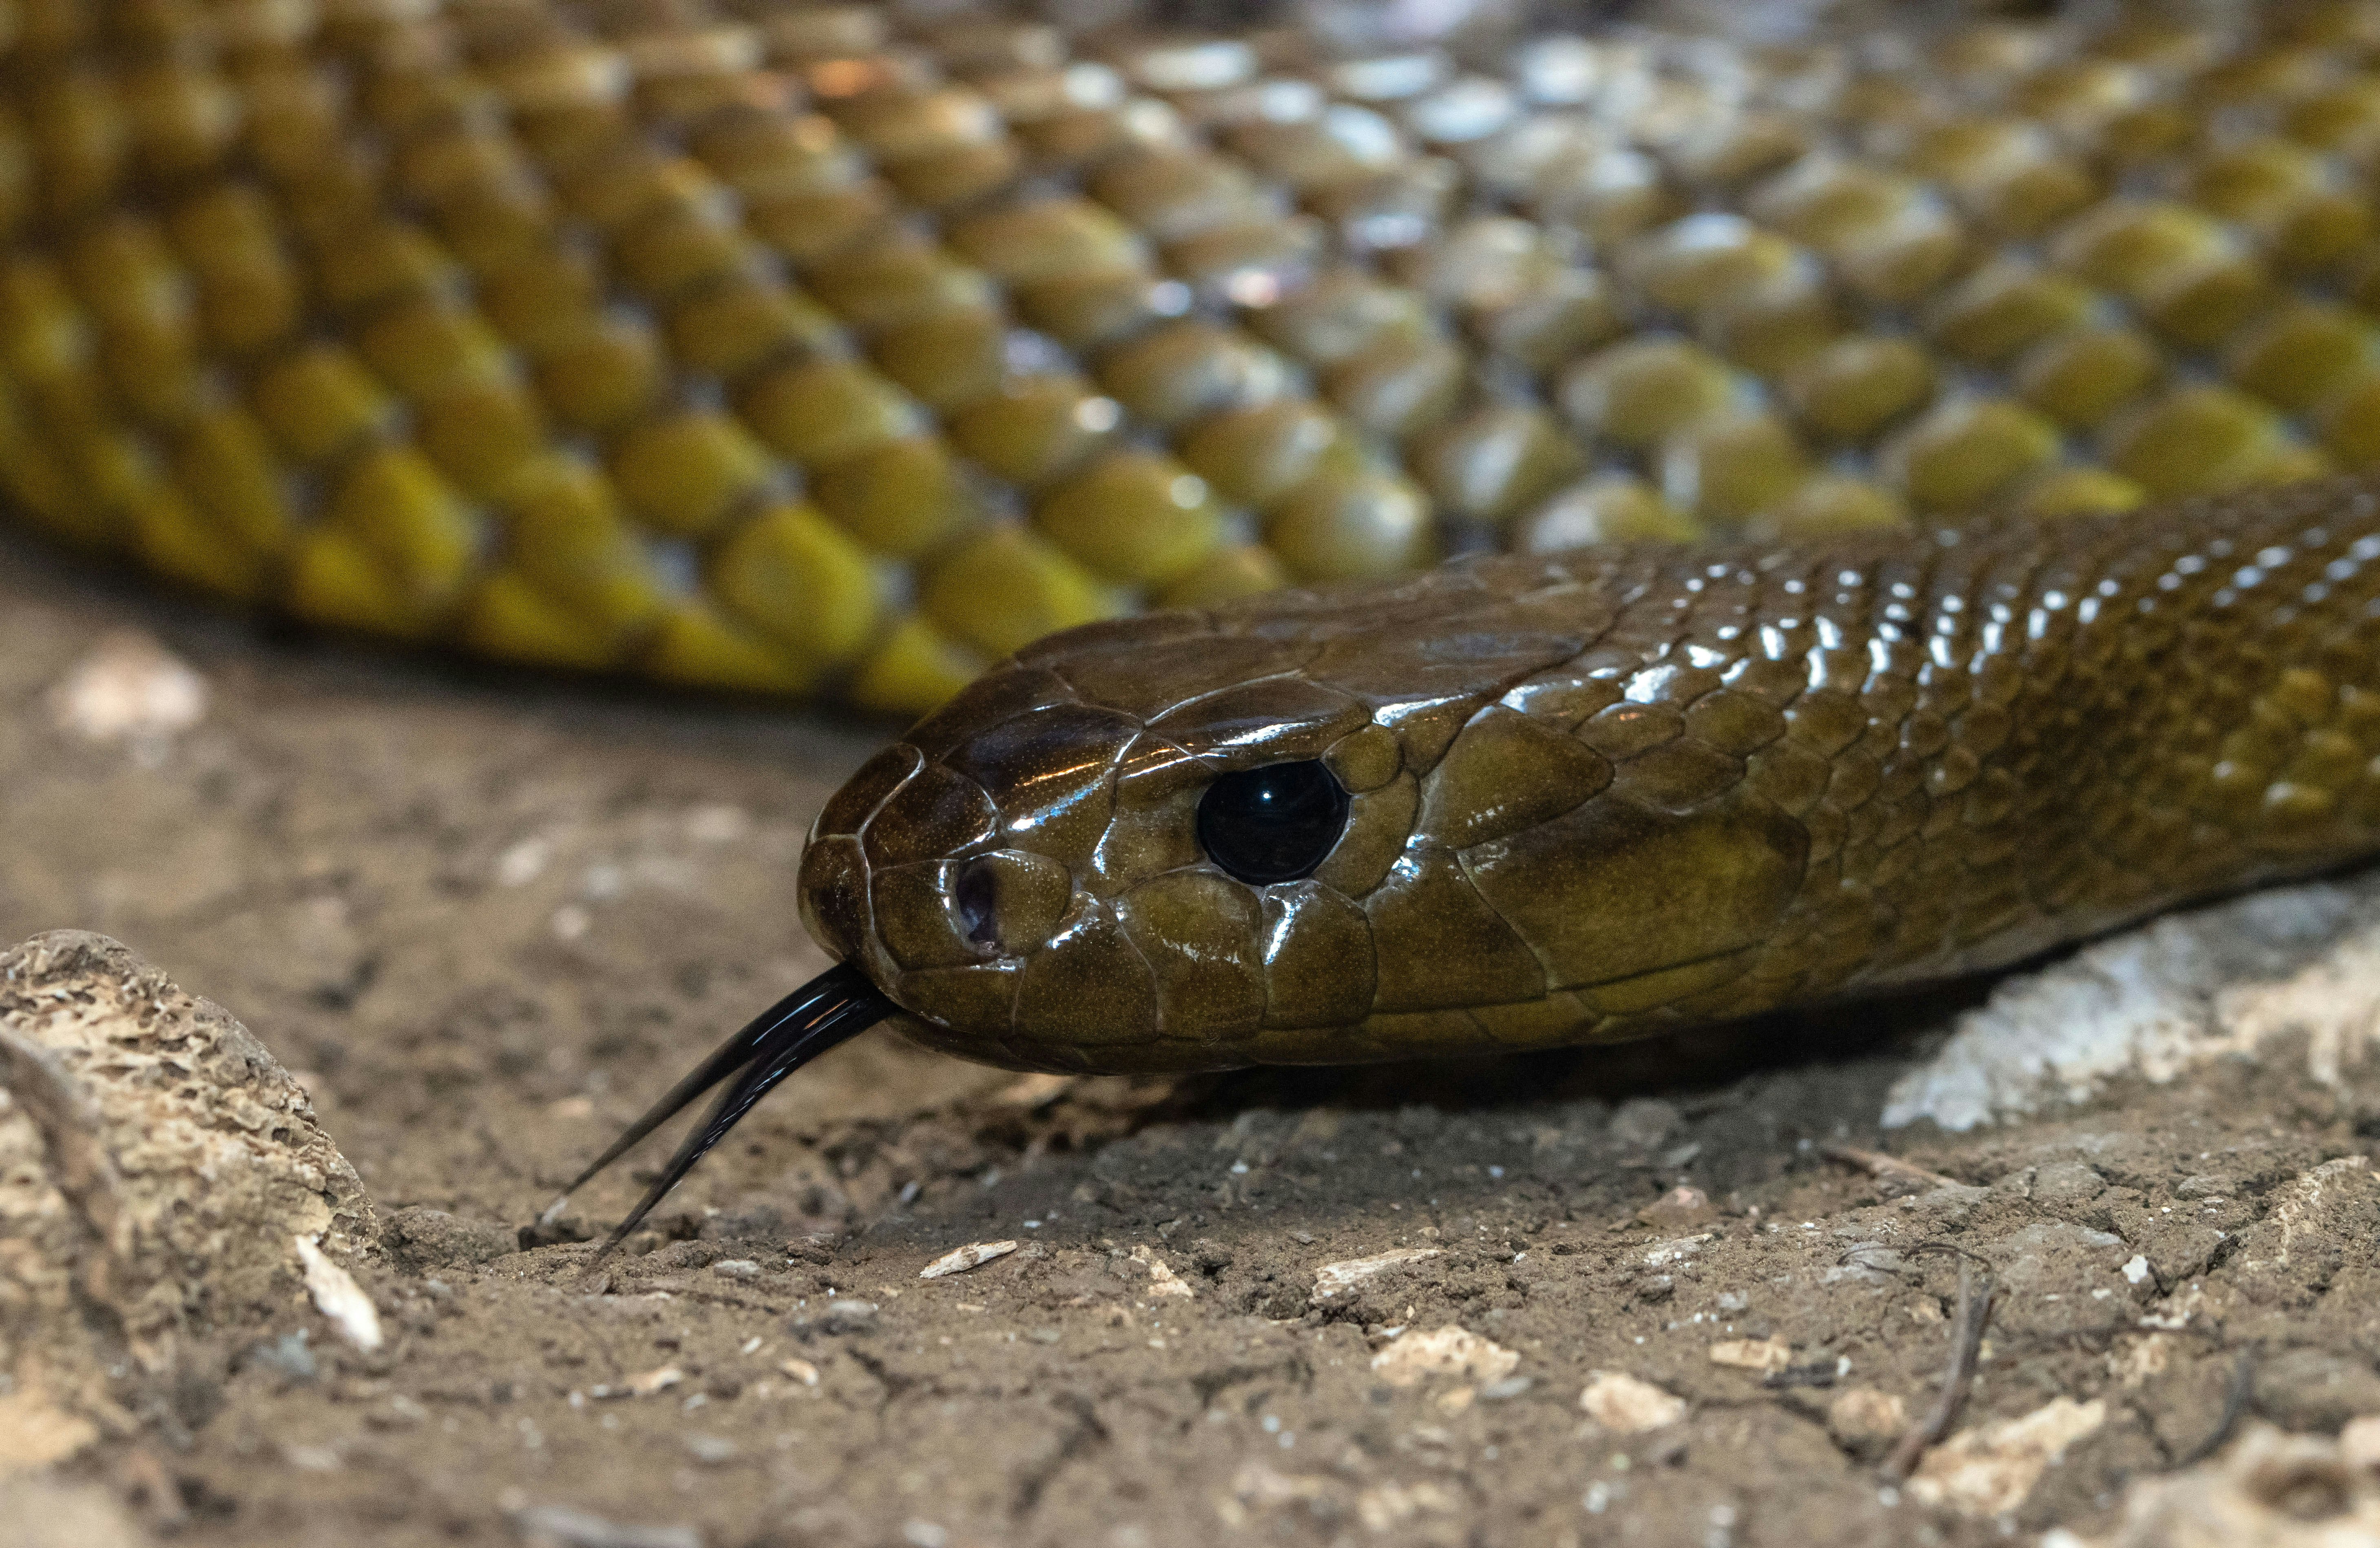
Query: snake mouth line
point(827, 1011)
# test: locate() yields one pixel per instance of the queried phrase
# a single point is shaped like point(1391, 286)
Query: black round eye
point(1273, 824)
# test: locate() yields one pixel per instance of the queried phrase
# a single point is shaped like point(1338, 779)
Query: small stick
point(1878, 1164)
point(2235, 1405)
point(1967, 1336)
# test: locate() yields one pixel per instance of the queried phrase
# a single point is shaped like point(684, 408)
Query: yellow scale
point(809, 351)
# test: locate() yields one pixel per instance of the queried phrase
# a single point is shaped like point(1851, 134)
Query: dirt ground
point(485, 917)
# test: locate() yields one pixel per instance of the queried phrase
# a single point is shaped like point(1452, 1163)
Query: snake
point(1413, 528)
point(1523, 803)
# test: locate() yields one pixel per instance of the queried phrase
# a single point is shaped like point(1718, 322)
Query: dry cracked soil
point(1647, 1295)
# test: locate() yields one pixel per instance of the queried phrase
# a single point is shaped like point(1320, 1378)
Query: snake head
point(1146, 845)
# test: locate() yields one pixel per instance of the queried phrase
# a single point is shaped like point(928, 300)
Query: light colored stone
point(1261, 1485)
point(1163, 1283)
point(2358, 1443)
point(1411, 1358)
point(130, 689)
point(1034, 1091)
point(2267, 1489)
point(1764, 1355)
point(156, 1161)
point(556, 1526)
point(1341, 1277)
point(1865, 1420)
point(645, 1383)
point(958, 1260)
point(1627, 1404)
point(1988, 1470)
point(2165, 998)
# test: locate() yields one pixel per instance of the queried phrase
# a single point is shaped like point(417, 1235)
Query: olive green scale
point(842, 350)
point(1605, 794)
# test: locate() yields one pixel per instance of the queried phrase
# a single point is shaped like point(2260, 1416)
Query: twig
point(1876, 1163)
point(2235, 1405)
point(1967, 1343)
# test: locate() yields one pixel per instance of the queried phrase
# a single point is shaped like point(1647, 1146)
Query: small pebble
point(1162, 1280)
point(1988, 1469)
point(1451, 1351)
point(130, 689)
point(2358, 1443)
point(559, 1526)
point(711, 1450)
point(1643, 1123)
point(850, 1316)
point(1764, 1355)
point(1866, 1421)
point(287, 1356)
point(958, 1260)
point(1627, 1406)
point(659, 1379)
point(1679, 1209)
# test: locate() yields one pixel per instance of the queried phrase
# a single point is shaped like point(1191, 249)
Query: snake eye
point(1274, 823)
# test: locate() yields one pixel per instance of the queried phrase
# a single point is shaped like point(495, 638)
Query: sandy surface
point(484, 918)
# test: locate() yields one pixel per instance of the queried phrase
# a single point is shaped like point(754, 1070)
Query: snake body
point(842, 350)
point(1601, 796)
point(847, 351)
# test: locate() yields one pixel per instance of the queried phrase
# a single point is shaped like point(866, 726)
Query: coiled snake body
point(831, 349)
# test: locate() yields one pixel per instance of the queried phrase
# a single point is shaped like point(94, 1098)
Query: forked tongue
point(833, 1008)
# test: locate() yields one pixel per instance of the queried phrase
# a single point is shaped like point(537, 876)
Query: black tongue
point(831, 1008)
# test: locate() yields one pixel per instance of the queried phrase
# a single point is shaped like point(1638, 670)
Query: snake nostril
point(972, 894)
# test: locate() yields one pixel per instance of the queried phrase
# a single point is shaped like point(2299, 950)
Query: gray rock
point(2067, 1187)
point(289, 1356)
point(2313, 1389)
point(851, 1316)
point(156, 1161)
point(2057, 1277)
point(421, 1239)
point(2150, 1003)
